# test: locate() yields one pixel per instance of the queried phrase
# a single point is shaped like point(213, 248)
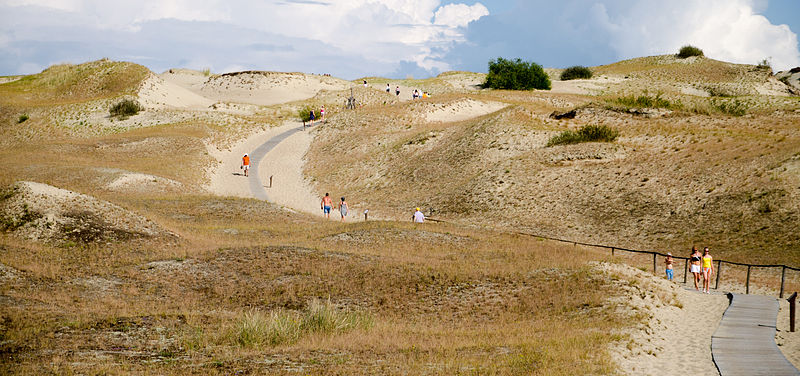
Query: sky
point(390, 38)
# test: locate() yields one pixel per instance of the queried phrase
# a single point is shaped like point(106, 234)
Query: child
point(668, 261)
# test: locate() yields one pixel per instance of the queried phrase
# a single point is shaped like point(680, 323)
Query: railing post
point(783, 279)
point(612, 251)
point(654, 263)
point(719, 268)
point(747, 283)
point(685, 269)
point(792, 300)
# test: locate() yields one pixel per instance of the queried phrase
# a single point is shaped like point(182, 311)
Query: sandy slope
point(156, 92)
point(462, 110)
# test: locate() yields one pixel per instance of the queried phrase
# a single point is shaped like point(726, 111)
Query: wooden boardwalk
point(744, 343)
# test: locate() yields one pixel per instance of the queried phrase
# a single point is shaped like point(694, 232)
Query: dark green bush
point(125, 108)
point(516, 75)
point(687, 51)
point(304, 114)
point(732, 107)
point(587, 133)
point(576, 72)
point(23, 118)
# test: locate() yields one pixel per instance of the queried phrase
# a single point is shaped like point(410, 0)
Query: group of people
point(396, 90)
point(702, 267)
point(327, 204)
point(416, 94)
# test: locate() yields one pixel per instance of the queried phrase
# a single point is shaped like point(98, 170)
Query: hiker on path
point(245, 164)
point(322, 113)
point(311, 117)
point(343, 209)
point(695, 259)
point(388, 88)
point(325, 205)
point(708, 270)
point(418, 216)
point(668, 261)
point(365, 83)
point(397, 91)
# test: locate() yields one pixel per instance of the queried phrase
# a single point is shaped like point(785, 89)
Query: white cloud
point(727, 30)
point(459, 15)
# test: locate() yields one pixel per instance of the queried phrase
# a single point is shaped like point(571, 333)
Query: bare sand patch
point(155, 92)
point(141, 182)
point(678, 325)
point(461, 110)
point(788, 342)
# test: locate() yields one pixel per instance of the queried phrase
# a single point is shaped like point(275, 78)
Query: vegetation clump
point(644, 101)
point(125, 108)
point(688, 51)
point(304, 114)
point(576, 72)
point(587, 133)
point(732, 107)
point(23, 118)
point(286, 327)
point(516, 75)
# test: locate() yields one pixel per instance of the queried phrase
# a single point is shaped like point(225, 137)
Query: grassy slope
point(669, 182)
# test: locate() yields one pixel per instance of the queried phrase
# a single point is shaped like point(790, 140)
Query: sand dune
point(461, 110)
point(156, 92)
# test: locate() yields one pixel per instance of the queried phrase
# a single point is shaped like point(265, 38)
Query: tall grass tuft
point(587, 133)
point(125, 108)
point(22, 118)
point(576, 72)
point(733, 107)
point(255, 329)
point(644, 101)
point(687, 51)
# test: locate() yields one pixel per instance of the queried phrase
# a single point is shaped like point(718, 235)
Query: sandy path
point(278, 152)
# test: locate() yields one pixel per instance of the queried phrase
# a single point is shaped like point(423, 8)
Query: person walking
point(708, 270)
point(343, 209)
point(311, 117)
point(418, 216)
point(695, 259)
point(388, 88)
point(325, 205)
point(245, 164)
point(397, 91)
point(668, 262)
point(365, 83)
point(322, 113)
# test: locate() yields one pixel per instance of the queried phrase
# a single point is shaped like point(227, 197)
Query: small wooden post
point(366, 215)
point(783, 279)
point(747, 283)
point(270, 181)
point(612, 251)
point(792, 300)
point(685, 269)
point(719, 268)
point(654, 263)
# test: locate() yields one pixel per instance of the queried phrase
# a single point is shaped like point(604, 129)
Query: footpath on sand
point(744, 343)
point(276, 152)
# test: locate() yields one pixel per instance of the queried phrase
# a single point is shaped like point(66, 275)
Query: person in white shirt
point(418, 216)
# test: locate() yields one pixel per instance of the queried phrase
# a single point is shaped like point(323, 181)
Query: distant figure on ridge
point(343, 209)
point(708, 270)
point(397, 91)
point(245, 164)
point(325, 205)
point(388, 88)
point(695, 259)
point(365, 83)
point(418, 216)
point(668, 261)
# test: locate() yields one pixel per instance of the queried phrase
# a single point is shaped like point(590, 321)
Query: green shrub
point(764, 65)
point(643, 101)
point(687, 51)
point(125, 108)
point(516, 75)
point(733, 107)
point(587, 133)
point(576, 72)
point(23, 118)
point(304, 114)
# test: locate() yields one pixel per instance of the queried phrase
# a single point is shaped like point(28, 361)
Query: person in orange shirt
point(245, 164)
